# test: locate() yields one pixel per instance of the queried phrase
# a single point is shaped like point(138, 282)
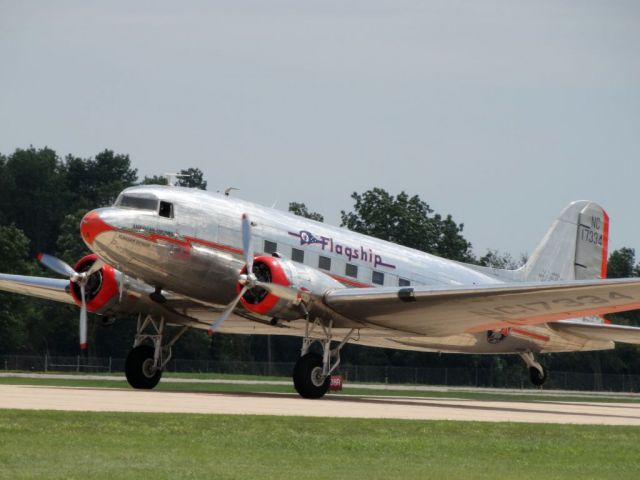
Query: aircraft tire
point(137, 368)
point(536, 377)
point(306, 377)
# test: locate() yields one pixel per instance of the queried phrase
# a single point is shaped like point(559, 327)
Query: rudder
point(574, 248)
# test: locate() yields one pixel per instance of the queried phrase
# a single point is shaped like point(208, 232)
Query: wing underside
point(448, 311)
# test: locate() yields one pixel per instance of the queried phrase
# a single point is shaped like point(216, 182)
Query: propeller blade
point(97, 265)
point(57, 265)
point(246, 243)
point(83, 320)
point(120, 280)
point(216, 323)
point(286, 293)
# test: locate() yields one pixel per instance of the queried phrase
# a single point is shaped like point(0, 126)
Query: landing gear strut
point(312, 372)
point(537, 373)
point(145, 363)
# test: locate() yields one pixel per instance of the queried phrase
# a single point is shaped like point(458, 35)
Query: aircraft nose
point(91, 226)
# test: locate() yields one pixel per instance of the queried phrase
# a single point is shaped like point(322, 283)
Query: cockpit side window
point(166, 209)
point(142, 202)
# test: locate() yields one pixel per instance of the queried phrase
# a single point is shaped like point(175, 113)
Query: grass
point(57, 445)
point(167, 385)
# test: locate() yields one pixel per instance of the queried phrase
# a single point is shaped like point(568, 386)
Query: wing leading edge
point(441, 311)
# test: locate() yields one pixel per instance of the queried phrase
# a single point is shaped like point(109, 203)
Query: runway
point(371, 406)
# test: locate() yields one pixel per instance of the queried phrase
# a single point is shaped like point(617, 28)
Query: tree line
point(43, 197)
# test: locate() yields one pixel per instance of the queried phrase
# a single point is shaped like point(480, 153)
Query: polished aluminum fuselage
point(198, 253)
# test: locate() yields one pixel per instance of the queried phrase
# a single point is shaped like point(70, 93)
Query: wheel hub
point(317, 378)
point(148, 368)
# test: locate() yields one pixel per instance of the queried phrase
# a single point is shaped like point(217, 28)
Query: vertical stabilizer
point(574, 248)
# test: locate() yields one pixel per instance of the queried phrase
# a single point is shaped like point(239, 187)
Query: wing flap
point(596, 331)
point(440, 311)
point(48, 288)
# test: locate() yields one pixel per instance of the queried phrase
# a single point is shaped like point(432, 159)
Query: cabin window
point(403, 282)
point(166, 209)
point(297, 255)
point(377, 278)
point(270, 247)
point(324, 263)
point(142, 202)
point(351, 271)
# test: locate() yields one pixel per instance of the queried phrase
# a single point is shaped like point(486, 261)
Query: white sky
point(497, 112)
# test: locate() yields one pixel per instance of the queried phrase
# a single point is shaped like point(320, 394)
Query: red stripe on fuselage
point(217, 246)
point(347, 281)
point(188, 242)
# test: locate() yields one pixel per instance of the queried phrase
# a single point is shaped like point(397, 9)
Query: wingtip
point(39, 256)
point(210, 332)
point(83, 346)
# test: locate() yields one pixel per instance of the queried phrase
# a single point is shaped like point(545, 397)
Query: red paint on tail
point(605, 244)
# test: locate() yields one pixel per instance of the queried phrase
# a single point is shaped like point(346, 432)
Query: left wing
point(441, 311)
point(48, 288)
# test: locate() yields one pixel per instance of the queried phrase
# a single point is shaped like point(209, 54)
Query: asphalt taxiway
point(352, 406)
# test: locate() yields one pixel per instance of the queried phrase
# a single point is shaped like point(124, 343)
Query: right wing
point(442, 311)
point(598, 331)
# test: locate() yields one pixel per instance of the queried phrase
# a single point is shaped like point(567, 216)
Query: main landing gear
point(145, 363)
point(312, 372)
point(537, 373)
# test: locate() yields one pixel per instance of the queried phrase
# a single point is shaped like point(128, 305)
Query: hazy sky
point(497, 112)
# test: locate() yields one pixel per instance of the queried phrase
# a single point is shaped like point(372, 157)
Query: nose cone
point(93, 225)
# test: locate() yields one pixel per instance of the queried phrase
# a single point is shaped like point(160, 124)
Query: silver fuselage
point(197, 251)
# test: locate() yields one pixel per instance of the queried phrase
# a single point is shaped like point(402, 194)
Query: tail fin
point(574, 248)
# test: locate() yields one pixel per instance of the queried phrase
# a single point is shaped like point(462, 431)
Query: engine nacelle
point(289, 274)
point(101, 290)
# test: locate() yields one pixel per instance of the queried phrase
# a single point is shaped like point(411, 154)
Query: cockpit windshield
point(141, 201)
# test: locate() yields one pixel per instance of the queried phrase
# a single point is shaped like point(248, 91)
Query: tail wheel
point(307, 377)
point(537, 377)
point(139, 368)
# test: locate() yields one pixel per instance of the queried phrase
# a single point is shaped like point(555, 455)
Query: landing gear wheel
point(537, 378)
point(307, 376)
point(139, 368)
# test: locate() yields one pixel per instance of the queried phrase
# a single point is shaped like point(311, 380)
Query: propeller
point(80, 278)
point(249, 280)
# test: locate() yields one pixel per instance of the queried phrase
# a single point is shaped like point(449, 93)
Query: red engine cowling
point(101, 290)
point(289, 274)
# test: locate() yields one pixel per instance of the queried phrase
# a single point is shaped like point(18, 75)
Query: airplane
point(179, 258)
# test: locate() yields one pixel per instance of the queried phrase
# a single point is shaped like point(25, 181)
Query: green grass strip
point(70, 445)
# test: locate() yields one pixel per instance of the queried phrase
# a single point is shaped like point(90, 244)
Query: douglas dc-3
point(184, 258)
